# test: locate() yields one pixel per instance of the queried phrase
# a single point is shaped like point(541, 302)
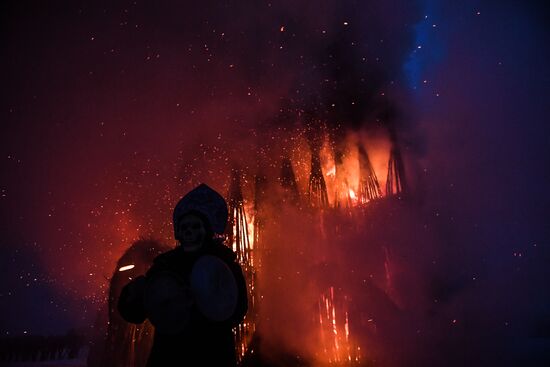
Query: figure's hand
point(130, 302)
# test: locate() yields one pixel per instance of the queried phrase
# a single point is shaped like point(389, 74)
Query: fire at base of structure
point(338, 346)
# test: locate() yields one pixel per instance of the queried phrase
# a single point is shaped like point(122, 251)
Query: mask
point(191, 232)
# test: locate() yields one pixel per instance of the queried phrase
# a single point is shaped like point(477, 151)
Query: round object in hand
point(214, 288)
point(168, 302)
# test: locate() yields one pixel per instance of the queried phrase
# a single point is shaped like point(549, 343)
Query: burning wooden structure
point(361, 186)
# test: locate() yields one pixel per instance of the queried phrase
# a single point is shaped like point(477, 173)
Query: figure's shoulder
point(164, 261)
point(165, 256)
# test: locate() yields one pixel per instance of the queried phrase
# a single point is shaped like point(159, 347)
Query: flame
point(243, 245)
point(126, 267)
point(245, 226)
point(349, 183)
point(249, 214)
point(337, 344)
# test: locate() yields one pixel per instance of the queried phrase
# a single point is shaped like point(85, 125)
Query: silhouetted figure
point(194, 294)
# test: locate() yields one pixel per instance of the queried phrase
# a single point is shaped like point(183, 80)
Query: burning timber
point(317, 189)
point(369, 189)
point(288, 181)
point(241, 239)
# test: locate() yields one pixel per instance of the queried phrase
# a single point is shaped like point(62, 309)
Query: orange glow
point(344, 169)
point(249, 214)
point(242, 236)
point(336, 341)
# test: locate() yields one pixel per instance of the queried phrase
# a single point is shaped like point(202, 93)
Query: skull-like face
point(191, 232)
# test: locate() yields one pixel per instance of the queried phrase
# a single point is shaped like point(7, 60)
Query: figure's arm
point(130, 303)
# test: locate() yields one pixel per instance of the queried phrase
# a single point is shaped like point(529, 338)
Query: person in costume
point(193, 294)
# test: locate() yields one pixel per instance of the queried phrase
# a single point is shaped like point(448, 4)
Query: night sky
point(109, 110)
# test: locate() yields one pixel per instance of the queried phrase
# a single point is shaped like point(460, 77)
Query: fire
point(249, 214)
point(244, 225)
point(325, 176)
point(337, 343)
point(353, 175)
point(241, 238)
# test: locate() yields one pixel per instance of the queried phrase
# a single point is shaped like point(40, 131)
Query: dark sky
point(106, 106)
